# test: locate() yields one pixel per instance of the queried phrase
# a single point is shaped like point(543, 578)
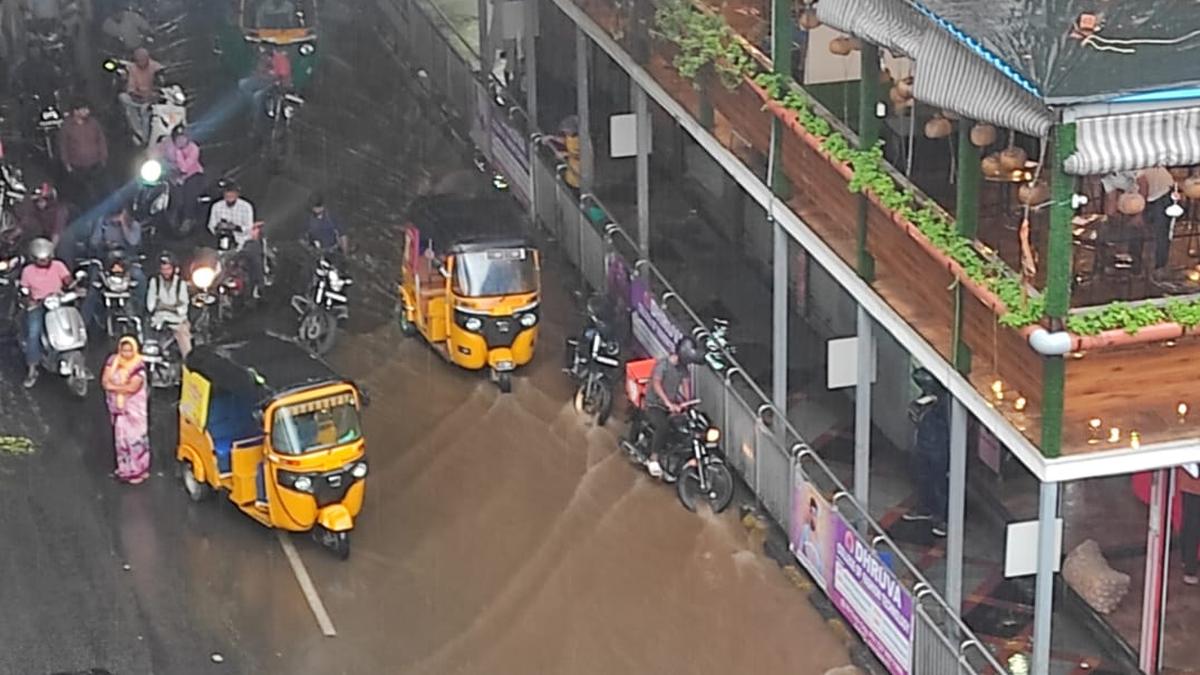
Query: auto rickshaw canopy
point(453, 225)
point(261, 368)
point(299, 24)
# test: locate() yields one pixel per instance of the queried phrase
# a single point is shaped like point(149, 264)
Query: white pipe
point(1050, 344)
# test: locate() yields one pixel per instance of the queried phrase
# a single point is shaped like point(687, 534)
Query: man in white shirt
point(1155, 184)
point(167, 302)
point(240, 214)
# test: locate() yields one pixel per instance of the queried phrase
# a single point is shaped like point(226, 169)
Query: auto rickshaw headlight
point(527, 320)
point(473, 324)
point(307, 49)
point(712, 435)
point(302, 483)
point(359, 470)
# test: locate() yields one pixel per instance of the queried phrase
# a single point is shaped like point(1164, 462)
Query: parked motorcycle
point(591, 359)
point(324, 305)
point(690, 458)
point(64, 342)
point(115, 283)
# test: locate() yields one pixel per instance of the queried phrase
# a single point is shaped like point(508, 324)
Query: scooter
point(591, 359)
point(281, 106)
point(168, 109)
point(161, 353)
point(690, 457)
point(324, 306)
point(64, 341)
point(115, 283)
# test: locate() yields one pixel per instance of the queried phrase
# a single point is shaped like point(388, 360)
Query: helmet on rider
point(687, 352)
point(926, 382)
point(42, 251)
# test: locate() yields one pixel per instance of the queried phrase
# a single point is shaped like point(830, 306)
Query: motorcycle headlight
point(176, 95)
point(150, 349)
point(110, 65)
point(336, 284)
point(51, 303)
point(3, 265)
point(302, 483)
point(117, 284)
point(289, 111)
point(473, 324)
point(307, 49)
point(499, 182)
point(527, 320)
point(359, 471)
point(49, 115)
point(203, 277)
point(151, 171)
point(713, 435)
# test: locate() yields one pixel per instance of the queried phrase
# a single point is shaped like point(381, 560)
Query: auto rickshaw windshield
point(277, 14)
point(507, 271)
point(315, 425)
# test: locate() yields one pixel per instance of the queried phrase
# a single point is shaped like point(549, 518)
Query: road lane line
point(306, 585)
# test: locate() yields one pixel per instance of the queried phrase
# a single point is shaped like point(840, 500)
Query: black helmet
point(926, 382)
point(687, 351)
point(168, 258)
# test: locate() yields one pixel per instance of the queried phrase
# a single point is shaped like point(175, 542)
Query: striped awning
point(1135, 141)
point(948, 75)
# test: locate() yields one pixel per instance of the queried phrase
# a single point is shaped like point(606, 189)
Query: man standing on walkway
point(930, 412)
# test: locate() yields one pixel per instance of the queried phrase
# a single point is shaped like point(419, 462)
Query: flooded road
point(500, 533)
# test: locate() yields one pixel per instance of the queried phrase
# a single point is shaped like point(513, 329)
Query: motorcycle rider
point(663, 395)
point(182, 155)
point(324, 231)
point(139, 92)
point(43, 216)
point(167, 302)
point(115, 234)
point(128, 27)
point(238, 212)
point(40, 279)
point(273, 69)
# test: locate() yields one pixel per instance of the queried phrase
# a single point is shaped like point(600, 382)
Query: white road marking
point(306, 585)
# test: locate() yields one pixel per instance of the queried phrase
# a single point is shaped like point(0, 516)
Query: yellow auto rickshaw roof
point(262, 368)
point(454, 224)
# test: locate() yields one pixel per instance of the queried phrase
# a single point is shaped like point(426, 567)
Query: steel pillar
point(862, 408)
point(642, 112)
point(583, 109)
point(1158, 550)
point(957, 498)
point(529, 68)
point(779, 324)
point(1043, 603)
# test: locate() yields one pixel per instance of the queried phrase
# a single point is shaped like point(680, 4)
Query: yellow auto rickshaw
point(275, 429)
point(469, 285)
point(288, 25)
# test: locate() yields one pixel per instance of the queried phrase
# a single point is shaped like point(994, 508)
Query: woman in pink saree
point(124, 382)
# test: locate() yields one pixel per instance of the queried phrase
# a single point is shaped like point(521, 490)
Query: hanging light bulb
point(1181, 410)
point(1135, 440)
point(1019, 404)
point(1114, 434)
point(1094, 430)
point(998, 390)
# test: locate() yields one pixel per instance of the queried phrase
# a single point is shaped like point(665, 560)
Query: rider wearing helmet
point(40, 279)
point(930, 413)
point(663, 395)
point(167, 302)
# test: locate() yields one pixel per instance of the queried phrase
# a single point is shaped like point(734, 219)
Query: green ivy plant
point(705, 42)
point(1133, 317)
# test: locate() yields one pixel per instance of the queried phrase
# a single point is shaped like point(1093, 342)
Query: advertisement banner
point(811, 538)
point(652, 328)
point(872, 599)
point(193, 398)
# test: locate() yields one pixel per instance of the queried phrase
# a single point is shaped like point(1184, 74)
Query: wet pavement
point(500, 533)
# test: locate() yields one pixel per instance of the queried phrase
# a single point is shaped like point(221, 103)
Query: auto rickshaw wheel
point(504, 381)
point(196, 490)
point(338, 543)
point(408, 328)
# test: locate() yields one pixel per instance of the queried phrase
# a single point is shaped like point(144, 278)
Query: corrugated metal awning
point(1135, 141)
point(949, 75)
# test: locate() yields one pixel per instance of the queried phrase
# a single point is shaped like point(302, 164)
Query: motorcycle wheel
point(78, 386)
point(594, 399)
point(720, 486)
point(318, 331)
point(338, 543)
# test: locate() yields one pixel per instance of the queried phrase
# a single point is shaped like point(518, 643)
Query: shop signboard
point(872, 599)
point(652, 328)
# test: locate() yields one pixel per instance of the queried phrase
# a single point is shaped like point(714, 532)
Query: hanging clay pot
point(899, 101)
point(1131, 203)
point(809, 20)
point(990, 166)
point(938, 127)
point(840, 46)
point(983, 135)
point(1191, 187)
point(1034, 193)
point(885, 77)
point(950, 115)
point(906, 87)
point(1180, 173)
point(1013, 158)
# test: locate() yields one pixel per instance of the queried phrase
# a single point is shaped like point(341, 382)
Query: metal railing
point(760, 443)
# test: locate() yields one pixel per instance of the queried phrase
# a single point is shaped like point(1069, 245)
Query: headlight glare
point(713, 435)
point(527, 320)
point(473, 324)
point(151, 171)
point(203, 277)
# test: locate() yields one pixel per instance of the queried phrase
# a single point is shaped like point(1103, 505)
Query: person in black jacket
point(930, 413)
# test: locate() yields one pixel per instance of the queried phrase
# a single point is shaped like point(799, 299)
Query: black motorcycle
point(157, 204)
point(324, 305)
point(690, 458)
point(281, 106)
point(592, 359)
point(113, 279)
point(49, 119)
point(163, 358)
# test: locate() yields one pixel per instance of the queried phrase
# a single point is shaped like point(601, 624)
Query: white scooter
point(168, 109)
point(64, 342)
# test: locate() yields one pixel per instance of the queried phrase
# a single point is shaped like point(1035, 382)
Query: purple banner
point(652, 328)
point(872, 599)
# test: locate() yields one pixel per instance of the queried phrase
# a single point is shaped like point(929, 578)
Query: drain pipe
point(1047, 343)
